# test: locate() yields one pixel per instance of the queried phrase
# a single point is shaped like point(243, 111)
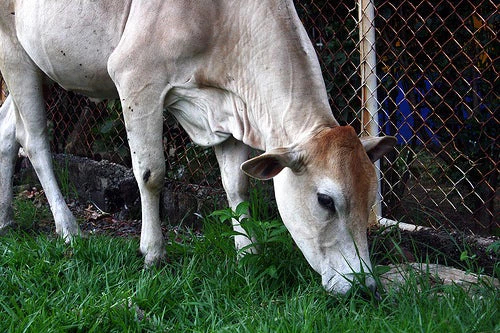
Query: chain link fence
point(437, 69)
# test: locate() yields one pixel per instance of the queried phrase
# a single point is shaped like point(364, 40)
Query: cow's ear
point(376, 147)
point(269, 164)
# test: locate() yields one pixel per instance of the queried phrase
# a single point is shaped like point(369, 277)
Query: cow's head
point(325, 188)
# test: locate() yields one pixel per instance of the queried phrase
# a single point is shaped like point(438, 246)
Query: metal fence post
point(368, 74)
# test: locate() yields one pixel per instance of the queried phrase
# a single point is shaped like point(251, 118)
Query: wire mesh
point(437, 92)
point(437, 68)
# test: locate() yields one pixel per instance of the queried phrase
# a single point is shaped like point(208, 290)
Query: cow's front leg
point(230, 155)
point(144, 124)
point(8, 153)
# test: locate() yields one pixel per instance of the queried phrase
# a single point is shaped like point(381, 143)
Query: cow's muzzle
point(341, 284)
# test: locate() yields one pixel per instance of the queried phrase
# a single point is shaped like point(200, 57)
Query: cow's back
point(70, 41)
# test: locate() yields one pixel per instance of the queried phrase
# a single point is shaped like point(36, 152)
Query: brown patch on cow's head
point(337, 153)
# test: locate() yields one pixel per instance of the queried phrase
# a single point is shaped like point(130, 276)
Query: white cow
point(235, 73)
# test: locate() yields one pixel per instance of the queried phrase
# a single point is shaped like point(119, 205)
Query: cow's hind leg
point(230, 155)
point(25, 87)
point(8, 153)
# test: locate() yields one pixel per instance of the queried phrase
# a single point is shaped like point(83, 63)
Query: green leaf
point(242, 208)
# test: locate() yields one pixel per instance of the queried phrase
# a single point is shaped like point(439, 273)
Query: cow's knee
point(153, 177)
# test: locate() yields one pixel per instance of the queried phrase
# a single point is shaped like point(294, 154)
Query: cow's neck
point(287, 96)
point(275, 72)
point(260, 82)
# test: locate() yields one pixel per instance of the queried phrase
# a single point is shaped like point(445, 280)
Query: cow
point(236, 74)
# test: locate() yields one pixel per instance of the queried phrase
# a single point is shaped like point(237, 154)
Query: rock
point(398, 274)
point(113, 189)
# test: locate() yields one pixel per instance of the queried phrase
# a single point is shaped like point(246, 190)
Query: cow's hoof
point(69, 238)
point(70, 234)
point(157, 260)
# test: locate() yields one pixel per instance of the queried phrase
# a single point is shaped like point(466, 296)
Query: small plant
point(267, 232)
point(465, 256)
point(29, 211)
point(272, 239)
point(494, 248)
point(26, 213)
point(68, 189)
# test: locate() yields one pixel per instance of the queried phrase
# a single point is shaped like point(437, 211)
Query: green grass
point(99, 285)
point(67, 187)
point(29, 212)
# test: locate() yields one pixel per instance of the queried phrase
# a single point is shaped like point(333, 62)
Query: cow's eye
point(326, 201)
